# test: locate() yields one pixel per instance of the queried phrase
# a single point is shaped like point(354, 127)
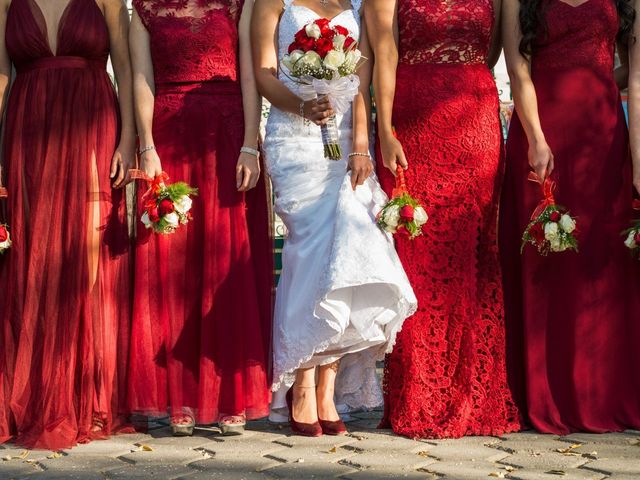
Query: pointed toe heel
point(333, 428)
point(302, 429)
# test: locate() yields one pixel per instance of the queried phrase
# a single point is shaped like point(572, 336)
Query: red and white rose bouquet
point(324, 59)
point(632, 235)
point(5, 238)
point(403, 214)
point(551, 229)
point(167, 206)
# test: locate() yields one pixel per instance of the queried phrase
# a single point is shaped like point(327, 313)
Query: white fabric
point(342, 292)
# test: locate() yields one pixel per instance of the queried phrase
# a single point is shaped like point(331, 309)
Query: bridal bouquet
point(325, 58)
point(632, 235)
point(167, 206)
point(403, 214)
point(551, 228)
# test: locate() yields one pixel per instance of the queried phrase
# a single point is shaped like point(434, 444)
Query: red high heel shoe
point(333, 428)
point(303, 429)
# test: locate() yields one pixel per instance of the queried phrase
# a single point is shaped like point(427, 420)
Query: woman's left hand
point(124, 160)
point(361, 168)
point(247, 172)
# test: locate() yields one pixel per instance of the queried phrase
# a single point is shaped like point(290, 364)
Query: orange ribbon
point(401, 184)
point(548, 187)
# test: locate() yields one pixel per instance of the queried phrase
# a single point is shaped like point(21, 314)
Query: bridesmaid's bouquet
point(325, 58)
point(632, 235)
point(5, 236)
point(167, 206)
point(551, 228)
point(403, 214)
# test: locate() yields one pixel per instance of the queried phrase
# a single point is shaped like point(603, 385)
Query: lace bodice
point(192, 40)
point(578, 36)
point(445, 31)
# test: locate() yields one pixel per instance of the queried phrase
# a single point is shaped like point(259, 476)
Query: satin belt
point(61, 62)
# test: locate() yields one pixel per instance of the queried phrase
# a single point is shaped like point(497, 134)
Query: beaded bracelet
point(250, 151)
point(146, 149)
point(358, 154)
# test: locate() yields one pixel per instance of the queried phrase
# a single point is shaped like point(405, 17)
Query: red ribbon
point(636, 204)
point(3, 192)
point(548, 187)
point(401, 184)
point(155, 185)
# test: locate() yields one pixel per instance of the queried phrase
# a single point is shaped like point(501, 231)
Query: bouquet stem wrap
point(340, 92)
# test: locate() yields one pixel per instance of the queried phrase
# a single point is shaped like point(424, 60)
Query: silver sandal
point(230, 426)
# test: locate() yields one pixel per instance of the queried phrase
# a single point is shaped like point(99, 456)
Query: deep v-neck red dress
point(64, 307)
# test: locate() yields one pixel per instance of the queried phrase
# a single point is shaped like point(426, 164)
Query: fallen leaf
point(557, 472)
point(497, 474)
point(143, 447)
point(333, 450)
point(54, 455)
point(23, 455)
point(509, 468)
point(300, 460)
point(569, 450)
point(7, 458)
point(423, 453)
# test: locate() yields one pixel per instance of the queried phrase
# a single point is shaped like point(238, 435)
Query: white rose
point(392, 216)
point(172, 219)
point(146, 221)
point(551, 231)
point(630, 242)
point(420, 216)
point(290, 60)
point(313, 31)
point(352, 58)
point(390, 229)
point(6, 244)
point(556, 244)
point(338, 42)
point(567, 223)
point(183, 205)
point(334, 60)
point(312, 60)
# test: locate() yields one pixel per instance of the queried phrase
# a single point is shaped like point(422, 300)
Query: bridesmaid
point(68, 146)
point(572, 318)
point(202, 312)
point(446, 376)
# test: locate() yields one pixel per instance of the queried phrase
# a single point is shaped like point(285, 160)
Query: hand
point(393, 154)
point(360, 167)
point(318, 110)
point(124, 159)
point(150, 163)
point(541, 159)
point(636, 178)
point(247, 172)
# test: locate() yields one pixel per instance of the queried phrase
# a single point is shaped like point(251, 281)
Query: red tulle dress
point(202, 311)
point(573, 320)
point(65, 305)
point(446, 376)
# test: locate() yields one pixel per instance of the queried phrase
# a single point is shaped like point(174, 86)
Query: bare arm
point(361, 166)
point(524, 93)
point(496, 40)
point(382, 24)
point(117, 18)
point(634, 99)
point(264, 28)
point(5, 62)
point(144, 92)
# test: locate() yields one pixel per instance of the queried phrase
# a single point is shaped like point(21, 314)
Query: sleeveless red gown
point(65, 306)
point(446, 376)
point(573, 319)
point(202, 311)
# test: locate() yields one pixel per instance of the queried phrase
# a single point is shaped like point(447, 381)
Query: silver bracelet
point(250, 151)
point(146, 149)
point(359, 154)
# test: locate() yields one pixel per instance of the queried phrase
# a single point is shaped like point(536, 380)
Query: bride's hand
point(318, 110)
point(361, 168)
point(393, 154)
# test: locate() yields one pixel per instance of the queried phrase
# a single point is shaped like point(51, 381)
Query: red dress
point(573, 319)
point(202, 311)
point(446, 376)
point(65, 306)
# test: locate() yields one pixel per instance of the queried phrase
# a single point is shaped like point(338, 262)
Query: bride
point(343, 295)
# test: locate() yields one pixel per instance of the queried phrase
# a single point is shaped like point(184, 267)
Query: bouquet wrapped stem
point(331, 139)
point(632, 235)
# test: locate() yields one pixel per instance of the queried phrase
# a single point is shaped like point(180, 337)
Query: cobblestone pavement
point(267, 452)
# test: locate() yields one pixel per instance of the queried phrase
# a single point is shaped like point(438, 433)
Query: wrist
point(386, 134)
point(250, 142)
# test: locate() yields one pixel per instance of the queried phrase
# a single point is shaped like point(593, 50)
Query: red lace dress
point(446, 376)
point(64, 306)
point(202, 309)
point(572, 319)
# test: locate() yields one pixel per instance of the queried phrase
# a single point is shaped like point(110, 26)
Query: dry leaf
point(333, 449)
point(557, 472)
point(300, 460)
point(424, 453)
point(569, 450)
point(509, 468)
point(23, 455)
point(497, 474)
point(143, 447)
point(54, 455)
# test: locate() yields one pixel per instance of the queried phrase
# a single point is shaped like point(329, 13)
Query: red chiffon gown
point(65, 305)
point(446, 376)
point(202, 311)
point(573, 319)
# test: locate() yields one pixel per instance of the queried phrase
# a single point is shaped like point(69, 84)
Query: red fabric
point(572, 318)
point(202, 315)
point(63, 331)
point(446, 376)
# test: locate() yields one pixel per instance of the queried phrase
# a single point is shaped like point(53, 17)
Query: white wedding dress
point(342, 292)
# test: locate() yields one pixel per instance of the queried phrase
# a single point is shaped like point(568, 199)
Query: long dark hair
point(532, 22)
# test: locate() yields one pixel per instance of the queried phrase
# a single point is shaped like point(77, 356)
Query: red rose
point(328, 33)
point(293, 46)
point(341, 30)
point(323, 46)
point(166, 206)
point(4, 235)
point(348, 43)
point(406, 213)
point(555, 216)
point(153, 214)
point(402, 231)
point(306, 44)
point(636, 238)
point(301, 35)
point(323, 23)
point(537, 232)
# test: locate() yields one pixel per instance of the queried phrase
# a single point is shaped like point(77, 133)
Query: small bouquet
point(325, 58)
point(632, 234)
point(167, 206)
point(5, 236)
point(403, 214)
point(551, 228)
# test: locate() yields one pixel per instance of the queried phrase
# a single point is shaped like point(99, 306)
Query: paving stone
point(622, 476)
point(627, 466)
point(15, 470)
point(242, 446)
point(546, 461)
point(80, 463)
point(377, 441)
point(114, 447)
point(311, 455)
point(217, 467)
point(463, 470)
point(148, 472)
point(326, 441)
point(308, 470)
point(400, 461)
point(452, 451)
point(466, 441)
point(387, 474)
point(163, 454)
point(624, 438)
point(600, 451)
point(531, 442)
point(227, 475)
point(575, 474)
point(21, 454)
point(66, 476)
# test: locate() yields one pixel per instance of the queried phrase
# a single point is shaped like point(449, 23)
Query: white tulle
point(343, 293)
